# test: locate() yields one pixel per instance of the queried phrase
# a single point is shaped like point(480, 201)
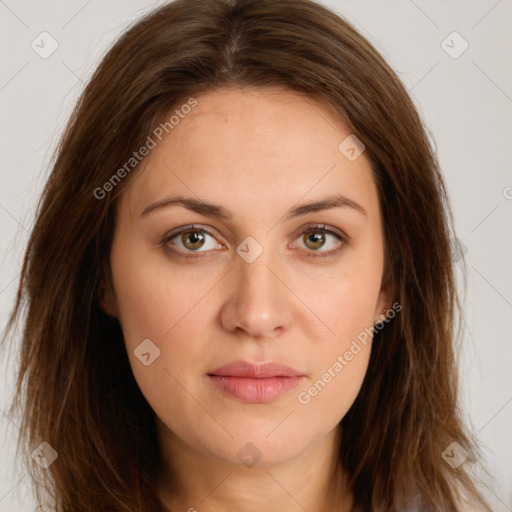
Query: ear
point(383, 304)
point(106, 300)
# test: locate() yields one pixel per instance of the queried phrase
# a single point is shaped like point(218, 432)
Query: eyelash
point(311, 254)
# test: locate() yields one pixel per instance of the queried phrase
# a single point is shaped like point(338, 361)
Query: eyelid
point(182, 229)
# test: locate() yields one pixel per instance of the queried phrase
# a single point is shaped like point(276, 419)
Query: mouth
point(255, 382)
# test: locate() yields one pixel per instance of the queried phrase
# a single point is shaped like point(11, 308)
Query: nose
point(259, 302)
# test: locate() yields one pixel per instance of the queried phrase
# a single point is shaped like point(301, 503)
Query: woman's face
point(253, 281)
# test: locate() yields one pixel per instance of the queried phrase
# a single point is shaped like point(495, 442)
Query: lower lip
point(254, 390)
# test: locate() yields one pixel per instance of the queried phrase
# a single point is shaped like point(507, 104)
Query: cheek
point(346, 306)
point(153, 298)
point(341, 358)
point(167, 307)
point(333, 389)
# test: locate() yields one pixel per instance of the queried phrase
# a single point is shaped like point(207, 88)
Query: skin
point(257, 153)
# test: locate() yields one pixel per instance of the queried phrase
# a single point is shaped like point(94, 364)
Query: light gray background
point(466, 103)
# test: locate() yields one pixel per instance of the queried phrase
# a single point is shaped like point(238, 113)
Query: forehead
point(262, 122)
point(259, 147)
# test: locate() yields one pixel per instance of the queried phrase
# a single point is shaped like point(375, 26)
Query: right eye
point(190, 239)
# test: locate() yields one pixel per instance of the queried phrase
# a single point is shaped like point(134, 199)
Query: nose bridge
point(256, 277)
point(257, 303)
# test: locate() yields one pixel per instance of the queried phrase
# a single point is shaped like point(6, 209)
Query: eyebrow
point(214, 210)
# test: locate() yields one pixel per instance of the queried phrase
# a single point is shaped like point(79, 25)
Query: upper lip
point(255, 370)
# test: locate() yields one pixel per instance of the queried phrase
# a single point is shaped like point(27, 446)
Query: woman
point(240, 287)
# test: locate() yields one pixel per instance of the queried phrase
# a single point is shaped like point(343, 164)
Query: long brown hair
point(76, 390)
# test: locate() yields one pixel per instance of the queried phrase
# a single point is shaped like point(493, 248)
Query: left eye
point(317, 237)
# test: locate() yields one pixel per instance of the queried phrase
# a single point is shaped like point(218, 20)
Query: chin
point(261, 446)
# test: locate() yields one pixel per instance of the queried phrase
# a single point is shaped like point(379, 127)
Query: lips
point(255, 370)
point(253, 382)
